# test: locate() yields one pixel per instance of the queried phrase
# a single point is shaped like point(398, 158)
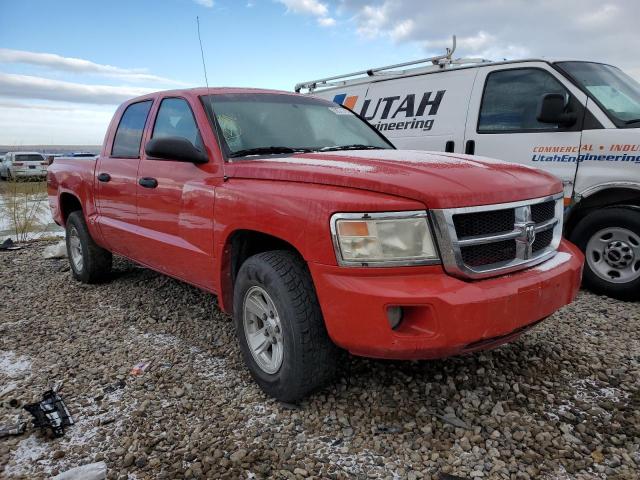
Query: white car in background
point(23, 165)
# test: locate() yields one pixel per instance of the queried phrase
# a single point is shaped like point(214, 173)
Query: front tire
point(280, 327)
point(610, 240)
point(89, 262)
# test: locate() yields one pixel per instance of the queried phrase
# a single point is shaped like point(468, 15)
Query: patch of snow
point(14, 366)
point(589, 390)
point(162, 339)
point(32, 452)
point(204, 365)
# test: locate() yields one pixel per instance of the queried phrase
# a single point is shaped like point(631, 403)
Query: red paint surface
point(183, 226)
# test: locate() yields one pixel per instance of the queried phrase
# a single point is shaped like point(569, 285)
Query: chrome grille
point(478, 242)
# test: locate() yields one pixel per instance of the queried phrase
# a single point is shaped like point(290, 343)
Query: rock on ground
point(562, 402)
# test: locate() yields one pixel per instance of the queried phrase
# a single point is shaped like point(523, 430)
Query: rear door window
point(129, 132)
point(175, 119)
point(510, 100)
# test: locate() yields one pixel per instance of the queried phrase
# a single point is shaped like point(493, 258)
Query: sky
point(66, 65)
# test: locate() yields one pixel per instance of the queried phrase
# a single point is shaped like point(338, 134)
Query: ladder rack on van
point(438, 62)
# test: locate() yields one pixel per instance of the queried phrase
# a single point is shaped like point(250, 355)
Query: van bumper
point(442, 315)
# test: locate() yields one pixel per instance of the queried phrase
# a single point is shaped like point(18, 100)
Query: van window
point(510, 100)
point(175, 119)
point(129, 132)
point(616, 92)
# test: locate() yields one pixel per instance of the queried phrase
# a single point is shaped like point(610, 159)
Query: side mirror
point(178, 149)
point(551, 109)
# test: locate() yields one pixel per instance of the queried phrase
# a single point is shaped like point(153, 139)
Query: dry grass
point(29, 186)
point(23, 205)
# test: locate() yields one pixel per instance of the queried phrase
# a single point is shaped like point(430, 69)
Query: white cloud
point(326, 21)
point(205, 3)
point(403, 30)
point(307, 7)
point(71, 112)
point(77, 65)
point(496, 29)
point(313, 8)
point(599, 17)
point(372, 21)
point(53, 124)
point(26, 86)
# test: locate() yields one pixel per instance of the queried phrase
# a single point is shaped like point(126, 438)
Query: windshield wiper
point(635, 120)
point(266, 151)
point(355, 146)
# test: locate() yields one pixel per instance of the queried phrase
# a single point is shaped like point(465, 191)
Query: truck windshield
point(262, 124)
point(616, 92)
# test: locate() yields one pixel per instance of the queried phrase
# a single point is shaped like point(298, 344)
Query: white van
point(577, 120)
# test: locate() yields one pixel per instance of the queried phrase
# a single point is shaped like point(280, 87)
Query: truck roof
point(201, 91)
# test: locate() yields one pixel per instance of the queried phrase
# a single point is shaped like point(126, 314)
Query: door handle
point(104, 177)
point(470, 147)
point(148, 182)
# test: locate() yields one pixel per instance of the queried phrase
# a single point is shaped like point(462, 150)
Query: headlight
point(383, 239)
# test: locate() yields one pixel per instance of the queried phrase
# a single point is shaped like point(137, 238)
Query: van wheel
point(89, 262)
point(280, 327)
point(610, 240)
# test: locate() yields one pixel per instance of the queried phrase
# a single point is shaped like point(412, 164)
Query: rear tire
point(610, 239)
point(275, 301)
point(89, 262)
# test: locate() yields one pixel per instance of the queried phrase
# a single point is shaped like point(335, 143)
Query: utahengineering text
point(585, 157)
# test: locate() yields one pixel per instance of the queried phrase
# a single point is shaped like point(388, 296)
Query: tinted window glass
point(615, 91)
point(31, 157)
point(175, 119)
point(129, 133)
point(263, 120)
point(510, 100)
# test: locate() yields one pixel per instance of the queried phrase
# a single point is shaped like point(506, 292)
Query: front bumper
point(443, 315)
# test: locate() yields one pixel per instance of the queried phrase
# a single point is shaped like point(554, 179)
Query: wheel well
point(241, 245)
point(605, 198)
point(69, 203)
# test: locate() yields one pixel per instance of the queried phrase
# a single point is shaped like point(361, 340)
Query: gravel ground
point(560, 403)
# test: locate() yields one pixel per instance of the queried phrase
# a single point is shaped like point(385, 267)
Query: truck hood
point(439, 180)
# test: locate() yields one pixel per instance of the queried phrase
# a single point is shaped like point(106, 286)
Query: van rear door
point(503, 120)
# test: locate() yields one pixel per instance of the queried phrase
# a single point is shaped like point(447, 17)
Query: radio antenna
point(204, 65)
point(209, 113)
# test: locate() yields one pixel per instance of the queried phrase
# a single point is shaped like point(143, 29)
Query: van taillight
point(18, 164)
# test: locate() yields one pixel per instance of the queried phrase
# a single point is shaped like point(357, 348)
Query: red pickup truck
point(315, 233)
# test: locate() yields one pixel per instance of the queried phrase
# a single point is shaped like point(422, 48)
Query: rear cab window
point(31, 157)
point(129, 133)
